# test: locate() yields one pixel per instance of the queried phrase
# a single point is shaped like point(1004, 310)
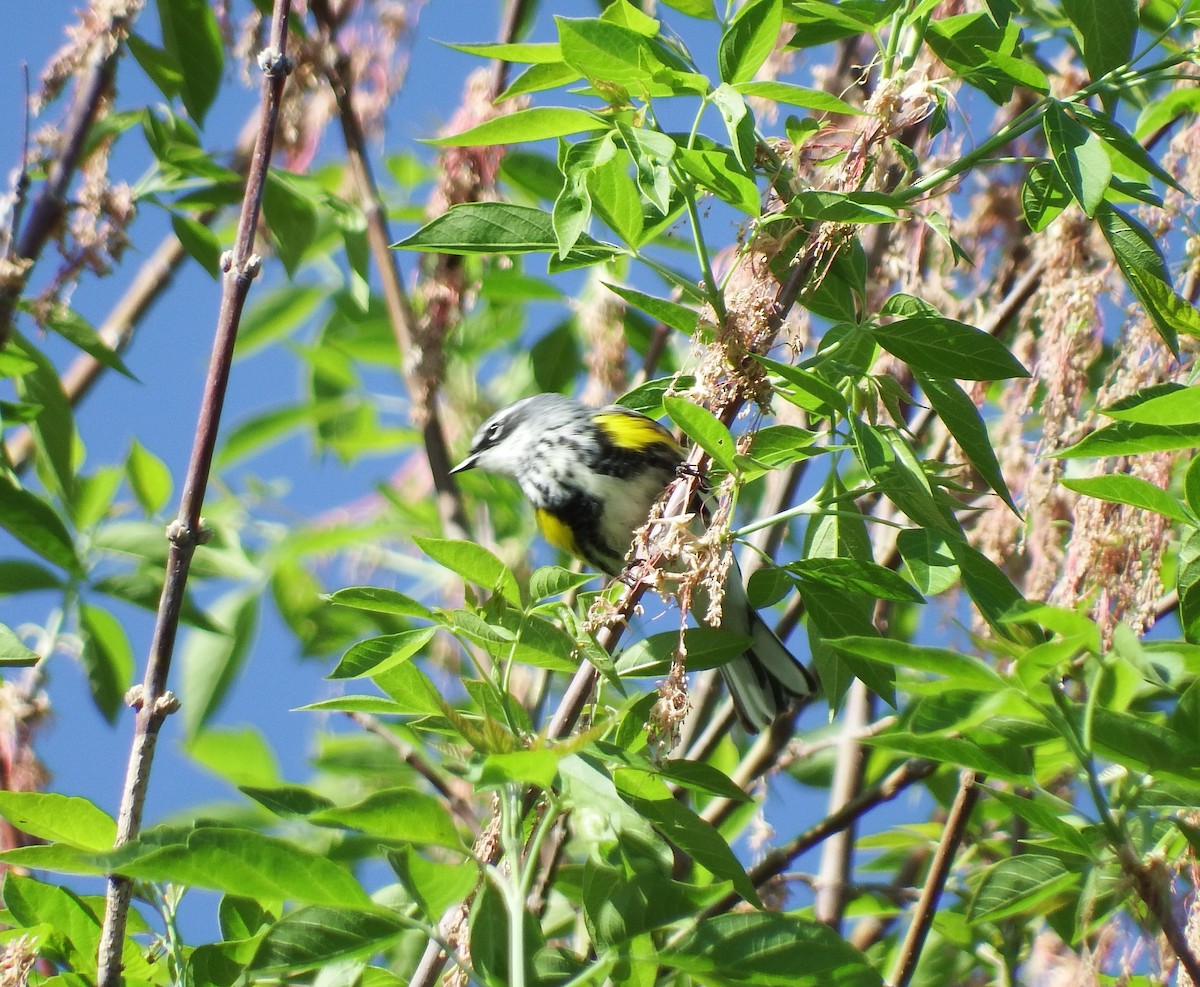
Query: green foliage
point(904, 350)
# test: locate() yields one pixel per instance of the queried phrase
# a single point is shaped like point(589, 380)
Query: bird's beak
point(466, 464)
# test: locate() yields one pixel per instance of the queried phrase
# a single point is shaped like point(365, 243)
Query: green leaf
point(434, 885)
point(695, 8)
point(769, 949)
point(474, 563)
point(148, 477)
point(705, 429)
point(1012, 762)
point(989, 588)
point(1020, 885)
point(610, 55)
point(59, 818)
point(14, 654)
point(1132, 438)
point(396, 814)
point(1043, 196)
point(1121, 488)
point(1143, 743)
point(707, 647)
point(651, 153)
point(961, 671)
point(792, 95)
point(533, 124)
point(500, 228)
point(679, 825)
point(287, 801)
point(375, 599)
point(718, 170)
point(960, 415)
point(213, 662)
point(1191, 485)
point(200, 242)
point(671, 314)
point(739, 123)
point(161, 68)
point(846, 207)
point(1106, 32)
point(1120, 140)
point(946, 348)
point(1020, 69)
point(1141, 261)
point(1161, 404)
point(107, 658)
point(856, 576)
point(54, 426)
point(930, 563)
point(75, 329)
point(1079, 156)
point(378, 654)
point(240, 755)
point(36, 525)
point(192, 39)
point(291, 217)
point(321, 937)
point(533, 53)
point(805, 388)
point(749, 39)
point(237, 861)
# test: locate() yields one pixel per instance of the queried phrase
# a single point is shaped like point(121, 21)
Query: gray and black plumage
point(592, 475)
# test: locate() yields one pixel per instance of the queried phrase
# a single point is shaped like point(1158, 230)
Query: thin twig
point(152, 700)
point(399, 307)
point(20, 192)
point(849, 767)
point(47, 208)
point(969, 789)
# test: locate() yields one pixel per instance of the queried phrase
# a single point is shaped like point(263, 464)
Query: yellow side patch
point(630, 430)
point(557, 533)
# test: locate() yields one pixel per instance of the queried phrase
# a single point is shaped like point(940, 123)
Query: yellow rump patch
point(557, 532)
point(630, 430)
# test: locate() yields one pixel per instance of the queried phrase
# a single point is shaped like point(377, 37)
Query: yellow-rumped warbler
point(592, 475)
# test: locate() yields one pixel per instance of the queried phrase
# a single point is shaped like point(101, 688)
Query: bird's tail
point(767, 680)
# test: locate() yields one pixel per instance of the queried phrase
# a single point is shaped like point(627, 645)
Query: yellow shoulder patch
point(557, 532)
point(631, 430)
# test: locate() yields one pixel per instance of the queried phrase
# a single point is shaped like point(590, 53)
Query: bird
point(592, 475)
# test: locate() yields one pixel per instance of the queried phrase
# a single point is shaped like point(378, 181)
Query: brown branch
point(151, 700)
point(47, 209)
point(396, 300)
point(849, 768)
point(969, 789)
point(1152, 889)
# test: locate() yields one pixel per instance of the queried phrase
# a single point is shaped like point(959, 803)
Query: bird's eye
point(493, 432)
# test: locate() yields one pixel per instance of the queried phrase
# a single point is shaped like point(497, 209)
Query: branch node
point(179, 533)
point(135, 697)
point(226, 261)
point(166, 704)
point(250, 267)
point(274, 63)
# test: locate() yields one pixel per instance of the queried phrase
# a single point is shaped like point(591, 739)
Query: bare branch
point(956, 825)
point(152, 700)
point(47, 208)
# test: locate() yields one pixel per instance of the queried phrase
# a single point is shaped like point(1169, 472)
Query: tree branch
point(47, 209)
point(152, 700)
point(956, 826)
